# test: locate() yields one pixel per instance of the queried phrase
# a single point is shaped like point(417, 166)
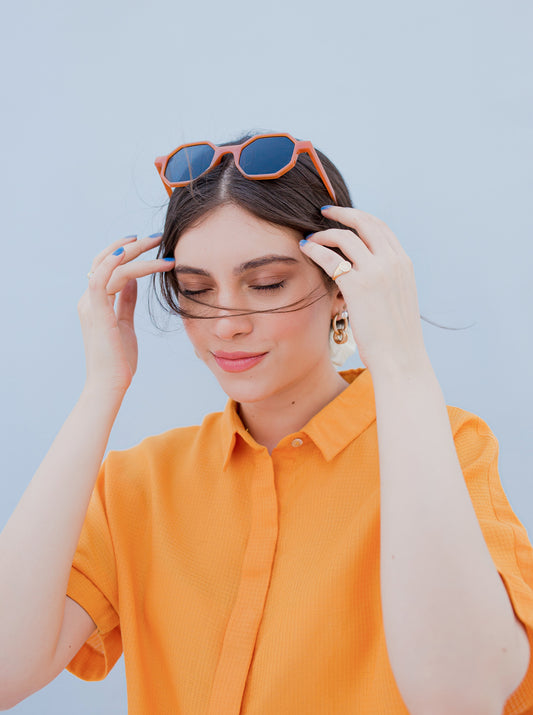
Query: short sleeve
point(505, 536)
point(93, 585)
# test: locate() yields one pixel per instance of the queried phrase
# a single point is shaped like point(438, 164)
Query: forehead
point(229, 234)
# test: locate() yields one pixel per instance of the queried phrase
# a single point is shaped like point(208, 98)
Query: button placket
point(245, 619)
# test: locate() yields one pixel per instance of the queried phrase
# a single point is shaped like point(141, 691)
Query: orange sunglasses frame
point(236, 149)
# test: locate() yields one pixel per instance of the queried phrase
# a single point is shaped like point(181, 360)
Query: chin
point(252, 385)
point(261, 382)
point(245, 390)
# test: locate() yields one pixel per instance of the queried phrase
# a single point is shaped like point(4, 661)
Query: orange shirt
point(235, 581)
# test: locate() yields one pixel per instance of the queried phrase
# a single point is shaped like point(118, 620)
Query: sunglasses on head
point(265, 156)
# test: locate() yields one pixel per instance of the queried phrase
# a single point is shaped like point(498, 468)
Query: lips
point(236, 355)
point(237, 361)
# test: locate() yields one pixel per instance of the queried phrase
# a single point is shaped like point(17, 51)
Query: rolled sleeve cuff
point(101, 651)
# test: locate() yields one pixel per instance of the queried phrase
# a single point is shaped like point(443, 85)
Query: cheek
point(195, 330)
point(283, 326)
point(308, 329)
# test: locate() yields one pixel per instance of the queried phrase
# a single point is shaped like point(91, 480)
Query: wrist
point(102, 397)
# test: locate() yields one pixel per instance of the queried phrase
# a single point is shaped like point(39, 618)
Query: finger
point(372, 230)
point(137, 269)
point(126, 302)
point(132, 246)
point(352, 247)
point(327, 259)
point(113, 247)
point(141, 246)
point(98, 296)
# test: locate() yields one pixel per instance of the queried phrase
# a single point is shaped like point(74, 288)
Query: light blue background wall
point(425, 107)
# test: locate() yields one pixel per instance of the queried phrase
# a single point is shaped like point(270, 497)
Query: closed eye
point(192, 292)
point(272, 286)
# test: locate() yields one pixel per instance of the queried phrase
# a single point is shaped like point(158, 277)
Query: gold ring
point(343, 267)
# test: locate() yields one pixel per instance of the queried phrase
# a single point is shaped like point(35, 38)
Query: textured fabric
point(236, 581)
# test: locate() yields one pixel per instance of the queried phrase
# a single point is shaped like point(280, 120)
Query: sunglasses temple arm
point(318, 166)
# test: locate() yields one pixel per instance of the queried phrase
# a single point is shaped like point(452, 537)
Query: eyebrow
point(254, 263)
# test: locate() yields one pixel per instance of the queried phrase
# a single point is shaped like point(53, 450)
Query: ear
point(338, 303)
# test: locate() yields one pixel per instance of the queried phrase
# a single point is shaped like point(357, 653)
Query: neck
point(273, 418)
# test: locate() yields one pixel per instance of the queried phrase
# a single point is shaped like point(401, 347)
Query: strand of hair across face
point(282, 309)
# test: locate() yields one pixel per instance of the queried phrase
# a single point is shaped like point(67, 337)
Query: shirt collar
point(332, 429)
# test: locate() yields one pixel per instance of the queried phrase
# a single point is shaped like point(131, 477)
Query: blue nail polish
point(303, 241)
point(323, 208)
point(168, 259)
point(309, 236)
point(118, 251)
point(155, 235)
point(133, 235)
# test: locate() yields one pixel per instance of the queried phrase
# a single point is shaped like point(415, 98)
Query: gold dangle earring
point(341, 340)
point(340, 333)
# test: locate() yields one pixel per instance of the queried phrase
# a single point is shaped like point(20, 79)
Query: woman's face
point(234, 260)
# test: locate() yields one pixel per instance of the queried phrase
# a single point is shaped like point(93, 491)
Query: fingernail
point(303, 241)
point(323, 208)
point(155, 235)
point(133, 235)
point(309, 235)
point(168, 259)
point(118, 251)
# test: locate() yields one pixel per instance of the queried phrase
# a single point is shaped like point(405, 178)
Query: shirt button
point(297, 442)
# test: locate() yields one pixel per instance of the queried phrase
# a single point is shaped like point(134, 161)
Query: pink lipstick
point(237, 361)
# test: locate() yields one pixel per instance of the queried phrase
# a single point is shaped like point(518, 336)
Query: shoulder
point(460, 418)
point(469, 429)
point(476, 446)
point(170, 452)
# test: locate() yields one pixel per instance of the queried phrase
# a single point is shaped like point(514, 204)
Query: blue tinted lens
point(266, 155)
point(188, 163)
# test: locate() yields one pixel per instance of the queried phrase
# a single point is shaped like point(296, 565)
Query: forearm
point(38, 542)
point(450, 628)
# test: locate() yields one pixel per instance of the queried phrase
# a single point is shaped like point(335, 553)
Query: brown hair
point(293, 200)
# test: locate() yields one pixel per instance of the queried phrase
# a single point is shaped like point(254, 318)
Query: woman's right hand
point(108, 332)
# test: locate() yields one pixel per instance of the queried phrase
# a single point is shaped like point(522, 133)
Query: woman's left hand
point(379, 291)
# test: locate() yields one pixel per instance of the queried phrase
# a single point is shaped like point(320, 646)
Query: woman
point(331, 542)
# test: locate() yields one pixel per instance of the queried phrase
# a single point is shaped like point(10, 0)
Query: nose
point(228, 325)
